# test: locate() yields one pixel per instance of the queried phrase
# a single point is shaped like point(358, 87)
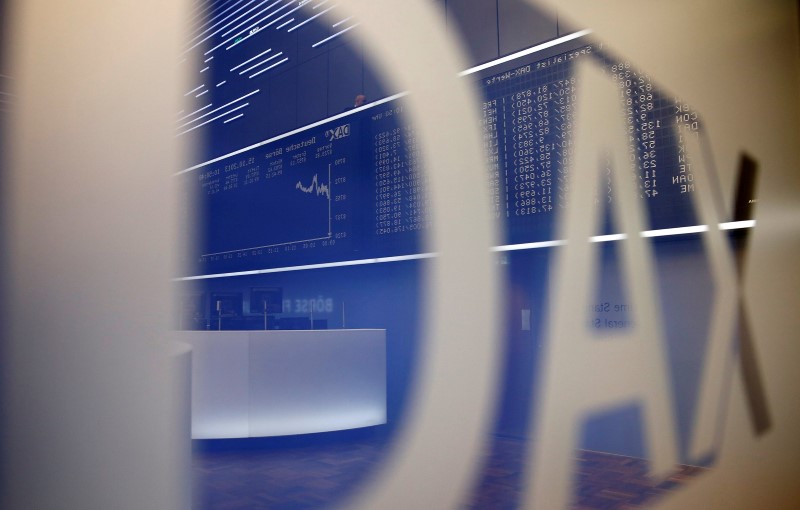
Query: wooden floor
point(252, 474)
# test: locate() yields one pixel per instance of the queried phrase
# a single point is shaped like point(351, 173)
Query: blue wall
point(323, 82)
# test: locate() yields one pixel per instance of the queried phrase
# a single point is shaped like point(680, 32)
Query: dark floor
point(252, 474)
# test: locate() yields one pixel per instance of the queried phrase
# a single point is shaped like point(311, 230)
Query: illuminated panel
point(219, 383)
point(316, 381)
point(274, 383)
point(352, 189)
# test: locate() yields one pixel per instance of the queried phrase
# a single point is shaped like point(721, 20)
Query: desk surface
point(283, 382)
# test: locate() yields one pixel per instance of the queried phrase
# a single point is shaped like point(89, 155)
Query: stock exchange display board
point(353, 187)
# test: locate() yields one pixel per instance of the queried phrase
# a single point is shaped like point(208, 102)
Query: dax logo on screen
point(337, 133)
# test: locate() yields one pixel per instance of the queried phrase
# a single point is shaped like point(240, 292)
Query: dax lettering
point(338, 133)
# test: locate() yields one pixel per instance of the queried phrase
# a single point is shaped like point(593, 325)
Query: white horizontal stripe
point(243, 39)
point(675, 231)
point(213, 119)
point(732, 225)
point(193, 90)
point(259, 13)
point(262, 62)
point(337, 34)
point(250, 60)
point(379, 260)
point(220, 21)
point(226, 41)
point(226, 25)
point(342, 22)
point(233, 118)
point(196, 111)
point(276, 64)
point(220, 108)
point(293, 132)
point(418, 256)
point(312, 18)
point(533, 49)
point(527, 246)
point(284, 24)
point(608, 237)
point(282, 16)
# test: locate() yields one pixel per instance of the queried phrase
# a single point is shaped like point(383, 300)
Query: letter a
point(582, 375)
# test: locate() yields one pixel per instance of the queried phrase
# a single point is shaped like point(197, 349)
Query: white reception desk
point(275, 383)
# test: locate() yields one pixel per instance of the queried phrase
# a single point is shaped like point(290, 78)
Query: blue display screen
point(352, 186)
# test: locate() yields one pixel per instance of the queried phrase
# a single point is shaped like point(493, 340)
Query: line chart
point(240, 223)
point(314, 187)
